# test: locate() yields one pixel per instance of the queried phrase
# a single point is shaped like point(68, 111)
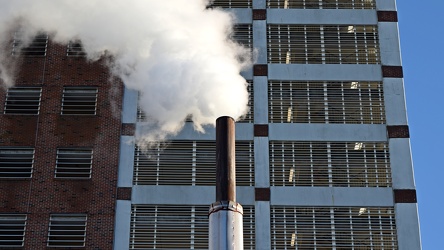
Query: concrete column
point(122, 225)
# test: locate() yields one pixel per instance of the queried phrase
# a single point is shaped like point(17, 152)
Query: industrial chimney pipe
point(225, 227)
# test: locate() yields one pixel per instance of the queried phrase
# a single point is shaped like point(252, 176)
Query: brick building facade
point(44, 192)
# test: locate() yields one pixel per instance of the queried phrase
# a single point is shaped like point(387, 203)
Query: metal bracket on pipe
point(226, 205)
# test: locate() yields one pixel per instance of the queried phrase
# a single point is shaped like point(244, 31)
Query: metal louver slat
point(189, 163)
point(334, 164)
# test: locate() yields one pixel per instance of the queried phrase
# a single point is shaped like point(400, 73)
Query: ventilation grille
point(333, 228)
point(337, 164)
point(321, 4)
point(36, 48)
point(67, 230)
point(16, 162)
point(74, 163)
point(326, 102)
point(75, 49)
point(179, 227)
point(231, 3)
point(243, 34)
point(79, 101)
point(12, 230)
point(249, 226)
point(189, 163)
point(322, 44)
point(23, 100)
point(249, 117)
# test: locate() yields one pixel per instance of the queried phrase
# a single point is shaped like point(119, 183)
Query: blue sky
point(422, 32)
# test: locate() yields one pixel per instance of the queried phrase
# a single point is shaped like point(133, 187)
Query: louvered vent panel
point(67, 230)
point(326, 102)
point(16, 162)
point(12, 230)
point(337, 164)
point(189, 163)
point(319, 228)
point(23, 100)
point(243, 34)
point(79, 101)
point(321, 4)
point(36, 48)
point(74, 163)
point(249, 117)
point(178, 227)
point(75, 49)
point(323, 44)
point(231, 3)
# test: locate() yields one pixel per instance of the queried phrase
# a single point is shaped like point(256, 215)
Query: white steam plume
point(175, 52)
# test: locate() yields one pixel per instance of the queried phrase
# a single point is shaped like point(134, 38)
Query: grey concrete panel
point(321, 16)
point(263, 227)
point(244, 131)
point(327, 132)
point(259, 4)
point(247, 74)
point(323, 72)
point(394, 99)
point(386, 4)
point(389, 43)
point(401, 163)
point(122, 225)
point(260, 40)
point(331, 196)
point(261, 162)
point(129, 106)
point(407, 226)
point(176, 195)
point(242, 16)
point(126, 162)
point(260, 85)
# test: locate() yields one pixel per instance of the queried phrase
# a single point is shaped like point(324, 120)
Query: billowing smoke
point(177, 53)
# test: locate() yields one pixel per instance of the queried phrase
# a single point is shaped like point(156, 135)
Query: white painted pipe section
point(226, 228)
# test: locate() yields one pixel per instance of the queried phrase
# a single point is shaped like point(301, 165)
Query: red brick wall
point(42, 194)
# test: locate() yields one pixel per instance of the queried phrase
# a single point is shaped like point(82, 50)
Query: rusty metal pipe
point(225, 159)
point(225, 215)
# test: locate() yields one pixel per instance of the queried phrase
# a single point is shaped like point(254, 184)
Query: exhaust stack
point(225, 227)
